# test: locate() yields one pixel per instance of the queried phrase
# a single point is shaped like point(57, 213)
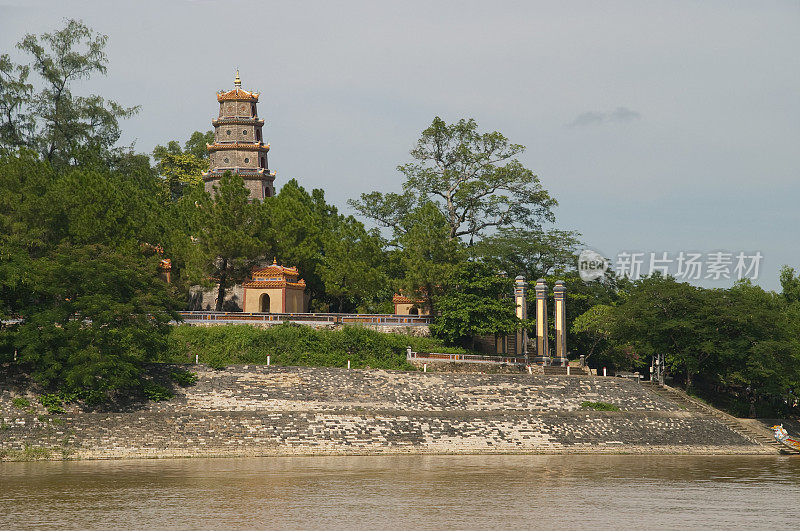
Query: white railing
point(328, 318)
point(463, 358)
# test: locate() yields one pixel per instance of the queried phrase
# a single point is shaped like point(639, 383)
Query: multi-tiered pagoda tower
point(238, 145)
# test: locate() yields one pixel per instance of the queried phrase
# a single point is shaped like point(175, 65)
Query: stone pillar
point(521, 300)
point(560, 295)
point(542, 351)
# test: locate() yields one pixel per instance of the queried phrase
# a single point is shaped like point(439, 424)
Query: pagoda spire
point(237, 82)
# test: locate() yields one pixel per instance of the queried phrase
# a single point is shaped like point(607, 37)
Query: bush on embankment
point(219, 346)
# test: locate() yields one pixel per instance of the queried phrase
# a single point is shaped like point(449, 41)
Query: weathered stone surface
point(258, 410)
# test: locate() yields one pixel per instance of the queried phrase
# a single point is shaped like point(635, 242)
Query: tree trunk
point(221, 287)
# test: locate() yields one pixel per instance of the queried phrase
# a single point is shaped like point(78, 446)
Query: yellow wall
point(405, 309)
point(295, 300)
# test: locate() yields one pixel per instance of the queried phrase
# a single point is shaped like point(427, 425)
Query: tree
point(62, 127)
point(475, 304)
point(181, 168)
point(93, 318)
point(426, 257)
point(473, 179)
point(790, 284)
point(350, 267)
point(16, 125)
point(532, 253)
point(227, 230)
point(341, 262)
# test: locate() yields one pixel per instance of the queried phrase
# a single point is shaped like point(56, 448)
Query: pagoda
point(238, 145)
point(275, 289)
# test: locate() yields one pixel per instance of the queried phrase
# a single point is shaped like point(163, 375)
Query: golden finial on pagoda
point(237, 81)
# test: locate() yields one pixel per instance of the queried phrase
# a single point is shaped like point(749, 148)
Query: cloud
point(620, 114)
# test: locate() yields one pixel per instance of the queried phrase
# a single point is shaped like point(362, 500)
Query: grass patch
point(52, 402)
point(287, 344)
point(20, 403)
point(156, 392)
point(599, 406)
point(29, 453)
point(183, 378)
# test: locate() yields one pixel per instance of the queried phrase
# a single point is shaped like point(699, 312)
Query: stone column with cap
point(521, 300)
point(560, 295)
point(542, 352)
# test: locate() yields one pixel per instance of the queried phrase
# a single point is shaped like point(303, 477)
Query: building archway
point(413, 311)
point(263, 303)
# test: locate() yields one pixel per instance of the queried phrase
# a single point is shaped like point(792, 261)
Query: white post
point(348, 364)
point(424, 367)
point(196, 359)
point(408, 353)
point(530, 371)
point(604, 371)
point(15, 355)
point(268, 360)
point(568, 369)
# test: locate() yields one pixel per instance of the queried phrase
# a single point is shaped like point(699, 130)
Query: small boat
point(782, 437)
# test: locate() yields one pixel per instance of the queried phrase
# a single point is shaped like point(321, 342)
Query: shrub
point(183, 378)
point(599, 406)
point(20, 403)
point(156, 392)
point(52, 402)
point(289, 344)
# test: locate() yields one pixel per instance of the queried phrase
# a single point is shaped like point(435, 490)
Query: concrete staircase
point(755, 433)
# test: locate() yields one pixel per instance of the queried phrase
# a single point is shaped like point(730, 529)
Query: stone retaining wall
point(258, 410)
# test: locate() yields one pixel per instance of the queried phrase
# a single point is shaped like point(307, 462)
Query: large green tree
point(182, 168)
point(92, 318)
point(532, 253)
point(225, 236)
point(62, 126)
point(341, 262)
point(476, 303)
point(474, 179)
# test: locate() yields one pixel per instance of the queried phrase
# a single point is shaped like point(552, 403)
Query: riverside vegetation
point(84, 224)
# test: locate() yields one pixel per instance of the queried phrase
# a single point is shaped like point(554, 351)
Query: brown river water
point(406, 492)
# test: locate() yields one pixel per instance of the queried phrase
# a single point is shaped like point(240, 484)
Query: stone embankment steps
point(696, 406)
point(557, 370)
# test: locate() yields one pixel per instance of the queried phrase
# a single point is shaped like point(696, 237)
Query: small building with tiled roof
point(406, 306)
point(275, 289)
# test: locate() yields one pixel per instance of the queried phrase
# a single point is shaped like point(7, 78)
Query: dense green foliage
point(219, 346)
point(740, 346)
point(477, 303)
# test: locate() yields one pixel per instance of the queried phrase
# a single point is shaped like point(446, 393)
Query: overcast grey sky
point(659, 126)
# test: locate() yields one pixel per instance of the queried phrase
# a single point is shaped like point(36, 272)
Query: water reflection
point(406, 491)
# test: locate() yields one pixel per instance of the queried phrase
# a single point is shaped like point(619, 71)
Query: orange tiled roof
point(300, 284)
point(237, 94)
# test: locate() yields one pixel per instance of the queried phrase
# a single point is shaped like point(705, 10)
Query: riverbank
point(255, 410)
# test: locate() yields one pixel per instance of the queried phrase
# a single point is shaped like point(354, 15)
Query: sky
point(660, 127)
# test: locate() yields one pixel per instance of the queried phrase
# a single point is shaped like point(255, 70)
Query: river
point(405, 492)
